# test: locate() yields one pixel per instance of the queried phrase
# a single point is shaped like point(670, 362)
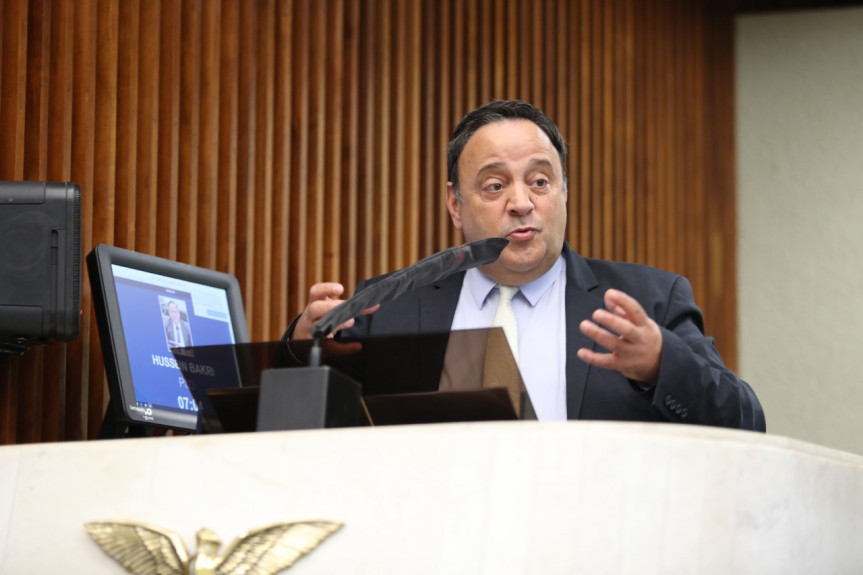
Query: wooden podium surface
point(495, 498)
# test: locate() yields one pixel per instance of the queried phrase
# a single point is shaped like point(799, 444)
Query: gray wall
point(800, 221)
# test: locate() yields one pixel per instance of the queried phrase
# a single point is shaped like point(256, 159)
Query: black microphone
point(428, 270)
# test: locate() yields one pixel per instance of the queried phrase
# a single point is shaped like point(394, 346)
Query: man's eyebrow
point(541, 163)
point(491, 167)
point(534, 163)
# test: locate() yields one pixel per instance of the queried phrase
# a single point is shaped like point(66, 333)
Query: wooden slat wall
point(293, 141)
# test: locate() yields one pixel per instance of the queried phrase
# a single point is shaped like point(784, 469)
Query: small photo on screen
point(178, 332)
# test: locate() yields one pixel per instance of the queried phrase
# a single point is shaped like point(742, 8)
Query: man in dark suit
point(594, 339)
point(177, 329)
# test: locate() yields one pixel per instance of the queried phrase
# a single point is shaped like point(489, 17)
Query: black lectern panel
point(417, 378)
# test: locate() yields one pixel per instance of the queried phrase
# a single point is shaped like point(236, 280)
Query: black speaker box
point(40, 263)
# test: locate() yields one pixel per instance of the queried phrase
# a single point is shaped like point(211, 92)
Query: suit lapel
point(582, 299)
point(438, 303)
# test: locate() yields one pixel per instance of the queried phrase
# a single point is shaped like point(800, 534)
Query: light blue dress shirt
point(539, 309)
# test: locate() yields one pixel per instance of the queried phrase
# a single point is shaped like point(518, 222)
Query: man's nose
point(520, 200)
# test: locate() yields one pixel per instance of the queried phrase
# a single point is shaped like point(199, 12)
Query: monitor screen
point(145, 306)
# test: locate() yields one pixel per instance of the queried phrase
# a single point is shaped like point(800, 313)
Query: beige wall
point(800, 221)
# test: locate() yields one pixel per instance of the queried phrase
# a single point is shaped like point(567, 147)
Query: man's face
point(512, 186)
point(174, 311)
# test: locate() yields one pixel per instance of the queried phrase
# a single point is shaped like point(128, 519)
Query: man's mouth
point(522, 234)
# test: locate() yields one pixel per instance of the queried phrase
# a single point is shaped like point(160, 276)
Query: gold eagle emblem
point(146, 549)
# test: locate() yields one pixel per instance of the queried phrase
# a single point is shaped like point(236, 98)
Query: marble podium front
point(495, 498)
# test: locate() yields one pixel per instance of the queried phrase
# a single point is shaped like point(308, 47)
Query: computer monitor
point(144, 307)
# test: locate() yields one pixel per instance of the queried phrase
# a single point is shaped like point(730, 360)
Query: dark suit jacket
point(184, 327)
point(694, 385)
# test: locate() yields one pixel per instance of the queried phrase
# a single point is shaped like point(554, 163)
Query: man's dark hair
point(492, 113)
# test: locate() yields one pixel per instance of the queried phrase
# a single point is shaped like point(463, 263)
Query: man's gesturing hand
point(633, 340)
point(322, 298)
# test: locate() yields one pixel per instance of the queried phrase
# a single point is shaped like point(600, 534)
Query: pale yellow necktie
point(504, 317)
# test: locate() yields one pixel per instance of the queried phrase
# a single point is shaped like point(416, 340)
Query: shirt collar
point(480, 285)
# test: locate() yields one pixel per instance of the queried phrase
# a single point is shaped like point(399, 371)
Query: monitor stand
point(114, 427)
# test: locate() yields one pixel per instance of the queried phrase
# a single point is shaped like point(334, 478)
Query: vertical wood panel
point(429, 164)
point(82, 409)
point(36, 97)
point(207, 209)
point(399, 233)
point(641, 188)
point(29, 420)
point(224, 232)
point(284, 292)
point(59, 151)
point(60, 99)
point(720, 303)
point(315, 123)
point(104, 189)
point(648, 142)
point(255, 161)
point(367, 97)
point(605, 206)
point(9, 398)
point(300, 247)
point(189, 143)
point(168, 139)
point(443, 127)
point(382, 162)
point(106, 145)
point(147, 118)
point(13, 83)
point(412, 47)
point(350, 145)
point(333, 195)
point(579, 201)
point(127, 123)
point(294, 141)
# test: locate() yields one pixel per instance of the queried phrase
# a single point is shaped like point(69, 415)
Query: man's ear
point(453, 206)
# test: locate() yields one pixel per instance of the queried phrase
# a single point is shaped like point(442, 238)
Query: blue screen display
point(159, 313)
